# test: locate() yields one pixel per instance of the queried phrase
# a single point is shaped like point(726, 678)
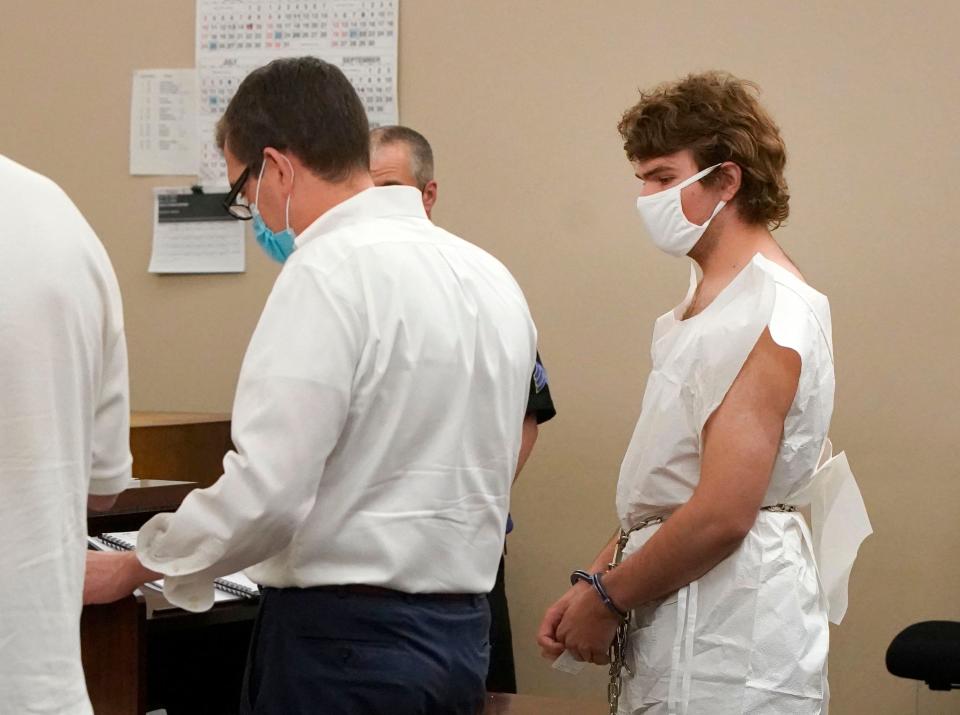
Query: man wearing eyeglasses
point(377, 424)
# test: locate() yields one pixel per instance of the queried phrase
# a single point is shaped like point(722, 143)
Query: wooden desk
point(138, 656)
point(186, 446)
point(136, 504)
point(113, 651)
point(501, 704)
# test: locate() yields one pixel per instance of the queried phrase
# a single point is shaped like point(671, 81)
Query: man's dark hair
point(300, 104)
point(421, 155)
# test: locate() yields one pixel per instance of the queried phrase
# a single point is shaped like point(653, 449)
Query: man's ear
point(731, 177)
point(279, 162)
point(429, 196)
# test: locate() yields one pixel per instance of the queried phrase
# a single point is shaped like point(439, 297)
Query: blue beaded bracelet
point(595, 581)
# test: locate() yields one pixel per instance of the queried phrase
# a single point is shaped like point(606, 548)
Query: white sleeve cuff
point(192, 593)
point(186, 584)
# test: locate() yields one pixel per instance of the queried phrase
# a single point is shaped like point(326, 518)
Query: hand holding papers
point(566, 663)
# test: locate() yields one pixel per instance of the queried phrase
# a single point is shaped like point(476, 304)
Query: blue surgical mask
point(278, 245)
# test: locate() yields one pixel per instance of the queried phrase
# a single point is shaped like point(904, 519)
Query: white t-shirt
point(377, 418)
point(64, 421)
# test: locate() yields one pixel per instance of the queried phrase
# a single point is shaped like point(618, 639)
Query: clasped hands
point(580, 623)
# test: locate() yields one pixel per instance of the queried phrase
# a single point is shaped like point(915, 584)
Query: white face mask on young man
point(668, 226)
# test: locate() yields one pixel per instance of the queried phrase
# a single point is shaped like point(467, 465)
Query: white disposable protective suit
point(751, 635)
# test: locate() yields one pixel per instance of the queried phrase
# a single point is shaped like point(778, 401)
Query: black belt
point(360, 589)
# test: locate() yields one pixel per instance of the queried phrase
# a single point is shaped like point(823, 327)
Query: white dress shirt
point(64, 433)
point(377, 419)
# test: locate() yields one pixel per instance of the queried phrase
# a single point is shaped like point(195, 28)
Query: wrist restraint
point(594, 579)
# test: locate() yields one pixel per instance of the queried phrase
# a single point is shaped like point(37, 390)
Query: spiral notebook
point(236, 585)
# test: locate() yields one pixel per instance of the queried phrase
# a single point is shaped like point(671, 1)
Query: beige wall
point(521, 102)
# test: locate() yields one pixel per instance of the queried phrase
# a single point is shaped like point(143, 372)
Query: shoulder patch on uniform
point(539, 376)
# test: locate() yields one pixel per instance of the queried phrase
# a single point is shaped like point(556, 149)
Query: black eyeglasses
point(235, 205)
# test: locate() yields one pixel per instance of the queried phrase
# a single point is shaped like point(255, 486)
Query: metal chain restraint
point(619, 645)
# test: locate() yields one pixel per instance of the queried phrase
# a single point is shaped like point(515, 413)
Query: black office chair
point(927, 651)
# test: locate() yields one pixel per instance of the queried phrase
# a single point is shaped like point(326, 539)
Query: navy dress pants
point(339, 652)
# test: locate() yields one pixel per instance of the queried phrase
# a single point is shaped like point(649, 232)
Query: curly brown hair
point(718, 117)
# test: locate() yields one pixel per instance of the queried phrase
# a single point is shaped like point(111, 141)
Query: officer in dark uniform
point(402, 156)
point(502, 675)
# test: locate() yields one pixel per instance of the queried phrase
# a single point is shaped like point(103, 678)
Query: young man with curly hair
point(716, 602)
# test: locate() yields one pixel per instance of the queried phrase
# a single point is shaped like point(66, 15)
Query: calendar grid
point(235, 37)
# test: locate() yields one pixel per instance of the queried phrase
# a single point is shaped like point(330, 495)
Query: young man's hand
point(550, 646)
point(588, 628)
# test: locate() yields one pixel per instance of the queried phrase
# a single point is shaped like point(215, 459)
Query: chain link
point(618, 648)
